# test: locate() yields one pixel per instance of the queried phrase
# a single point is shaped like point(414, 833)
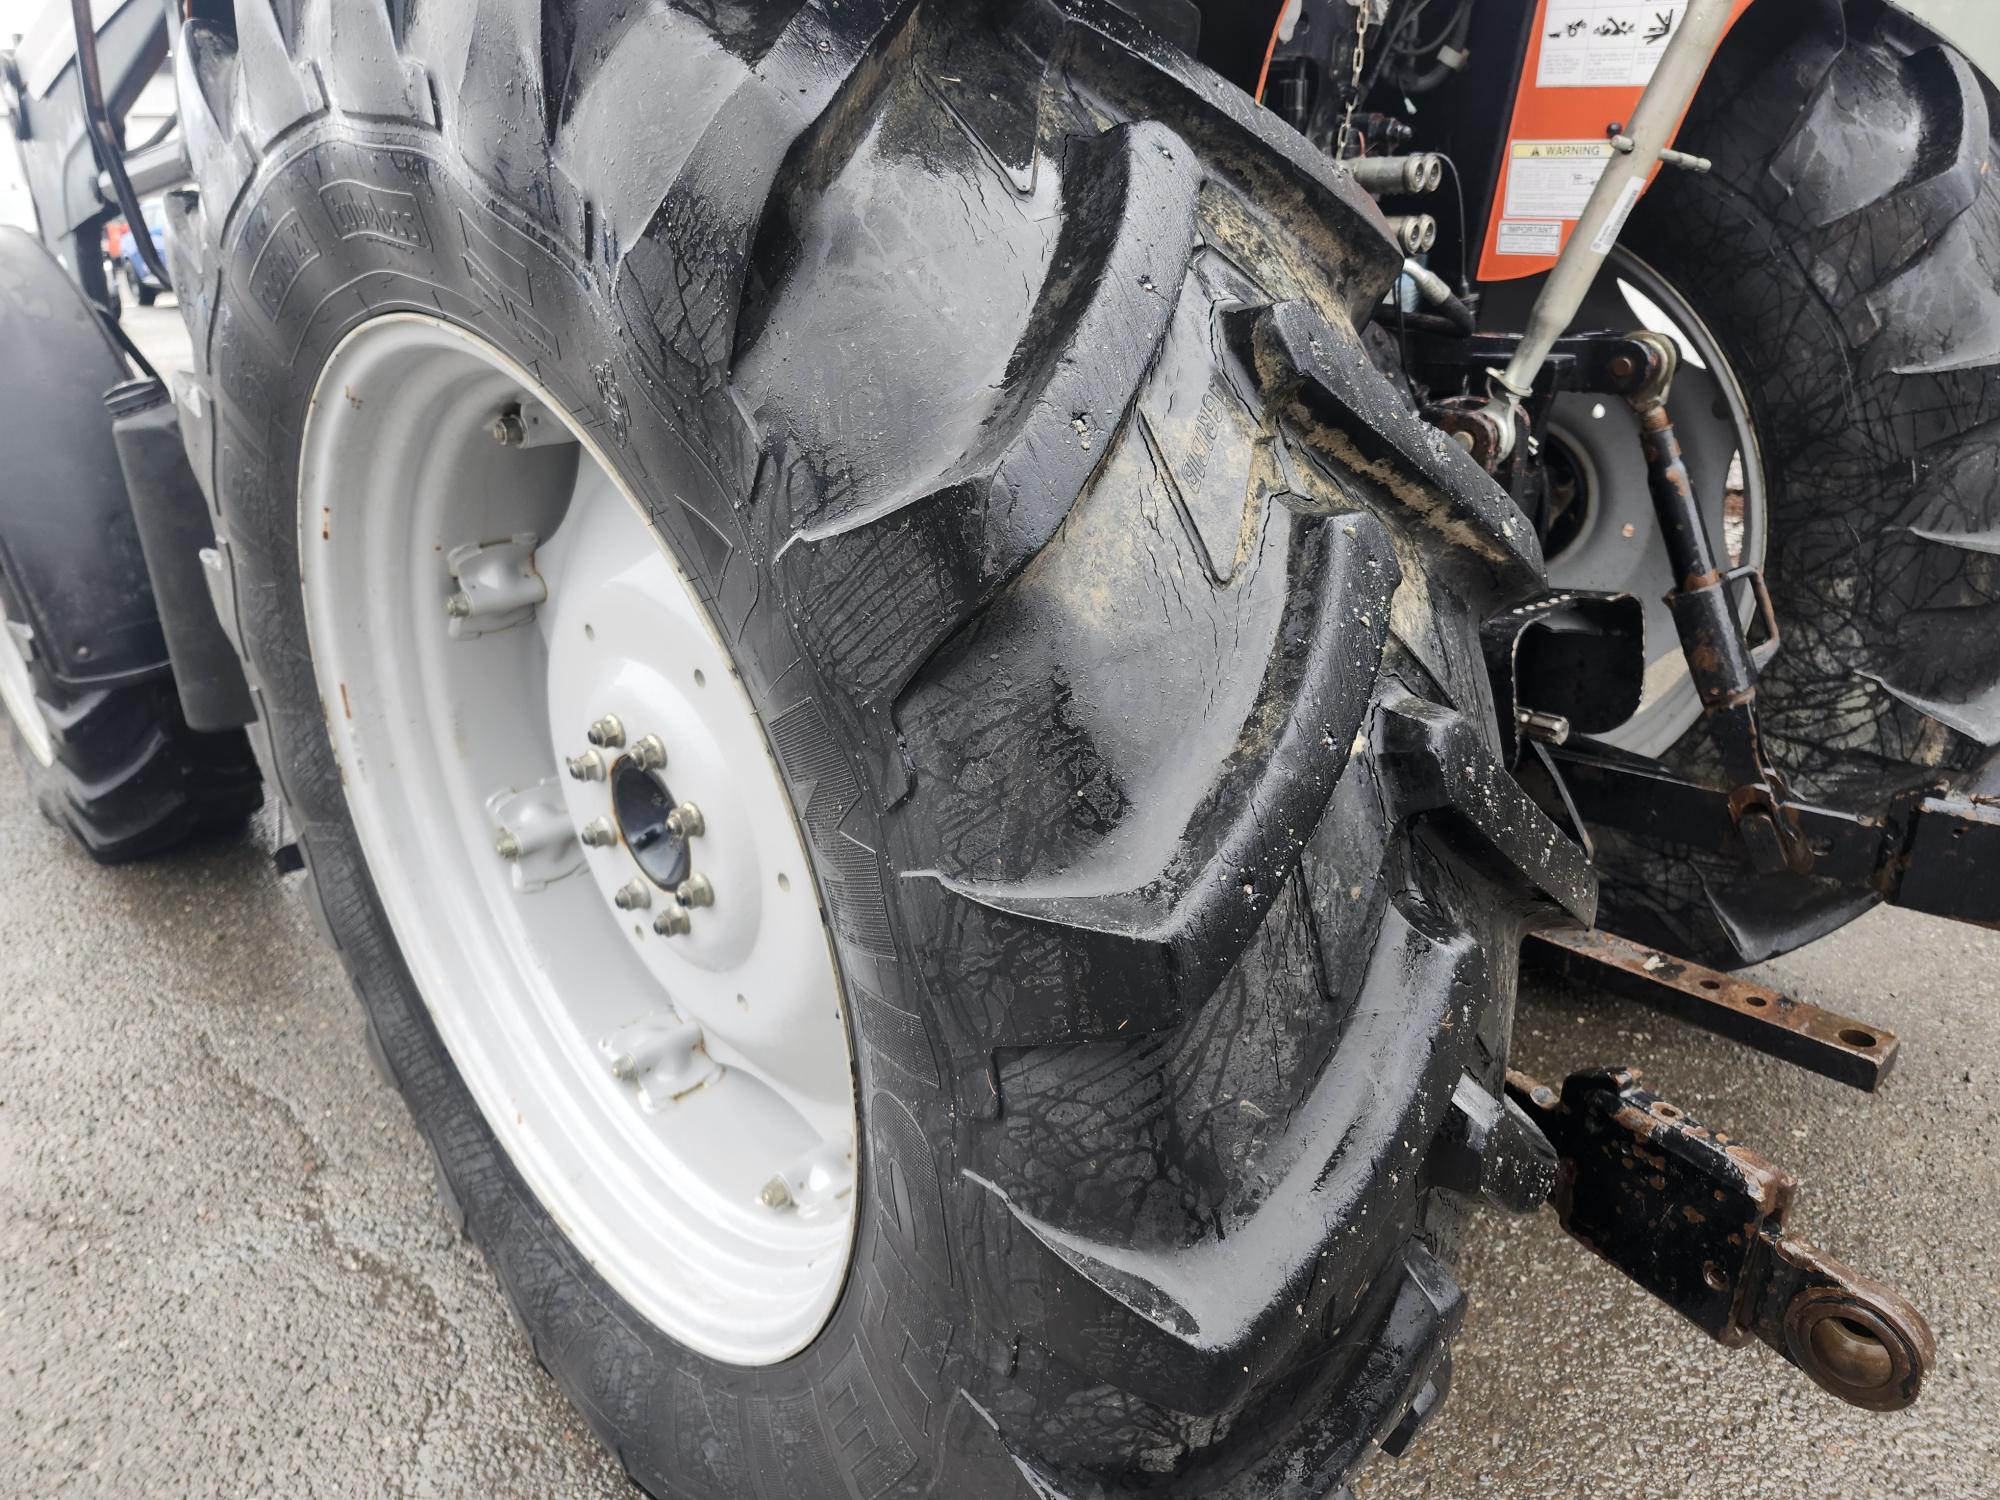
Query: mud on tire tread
point(1115, 638)
point(1846, 251)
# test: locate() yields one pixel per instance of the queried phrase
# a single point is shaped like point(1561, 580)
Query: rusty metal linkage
point(1857, 1053)
point(1699, 1221)
point(1929, 850)
point(1722, 666)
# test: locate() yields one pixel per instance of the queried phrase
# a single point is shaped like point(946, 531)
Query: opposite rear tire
point(1846, 253)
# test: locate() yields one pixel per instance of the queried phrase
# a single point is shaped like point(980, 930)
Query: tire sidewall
point(345, 228)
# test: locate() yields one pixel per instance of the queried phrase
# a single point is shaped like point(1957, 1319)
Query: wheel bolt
point(649, 754)
point(607, 732)
point(777, 1194)
point(588, 766)
point(599, 833)
point(508, 430)
point(634, 895)
point(695, 891)
point(672, 920)
point(684, 822)
point(458, 606)
point(505, 844)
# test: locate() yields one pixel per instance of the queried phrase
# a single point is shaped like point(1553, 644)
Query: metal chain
point(1363, 15)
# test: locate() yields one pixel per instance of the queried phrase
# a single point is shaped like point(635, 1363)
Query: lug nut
point(634, 895)
point(777, 1194)
point(684, 822)
point(458, 606)
point(649, 753)
point(508, 430)
point(672, 920)
point(588, 766)
point(695, 891)
point(607, 732)
point(599, 833)
point(506, 844)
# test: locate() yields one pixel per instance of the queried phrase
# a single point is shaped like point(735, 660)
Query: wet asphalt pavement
point(222, 1271)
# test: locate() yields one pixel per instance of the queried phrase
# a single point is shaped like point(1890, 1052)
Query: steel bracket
point(1929, 850)
point(1849, 1051)
point(498, 586)
point(1698, 1220)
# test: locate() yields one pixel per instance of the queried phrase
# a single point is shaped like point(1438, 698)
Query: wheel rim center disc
point(572, 817)
point(642, 805)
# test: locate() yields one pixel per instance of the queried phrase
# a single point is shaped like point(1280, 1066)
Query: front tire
point(1113, 627)
point(85, 681)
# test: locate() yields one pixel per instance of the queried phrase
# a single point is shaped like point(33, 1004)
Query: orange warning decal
point(1588, 62)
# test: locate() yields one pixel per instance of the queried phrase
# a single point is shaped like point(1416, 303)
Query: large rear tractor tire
point(983, 384)
point(1845, 252)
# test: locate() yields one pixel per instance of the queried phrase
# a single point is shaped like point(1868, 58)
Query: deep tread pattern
point(1846, 250)
point(948, 548)
point(367, 76)
point(277, 93)
point(1179, 1326)
point(206, 81)
point(1136, 958)
point(1089, 631)
point(130, 779)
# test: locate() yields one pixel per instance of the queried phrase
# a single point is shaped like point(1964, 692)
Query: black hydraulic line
point(160, 133)
point(124, 341)
point(104, 145)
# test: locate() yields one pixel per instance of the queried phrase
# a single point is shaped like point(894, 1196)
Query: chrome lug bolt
point(672, 920)
point(588, 766)
point(506, 844)
point(777, 1194)
point(508, 430)
point(695, 891)
point(458, 606)
point(607, 732)
point(634, 895)
point(684, 822)
point(649, 753)
point(599, 833)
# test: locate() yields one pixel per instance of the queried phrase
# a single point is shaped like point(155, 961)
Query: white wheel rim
point(17, 691)
point(710, 1181)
